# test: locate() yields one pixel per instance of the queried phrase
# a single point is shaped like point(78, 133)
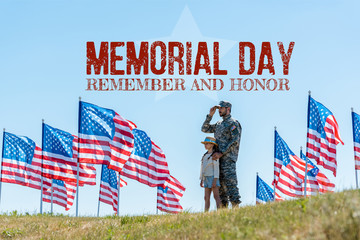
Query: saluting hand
point(212, 111)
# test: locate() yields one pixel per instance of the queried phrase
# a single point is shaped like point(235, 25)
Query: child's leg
point(217, 197)
point(207, 198)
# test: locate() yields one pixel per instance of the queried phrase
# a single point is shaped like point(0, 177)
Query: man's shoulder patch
point(233, 128)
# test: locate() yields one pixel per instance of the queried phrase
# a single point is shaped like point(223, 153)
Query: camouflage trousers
point(228, 182)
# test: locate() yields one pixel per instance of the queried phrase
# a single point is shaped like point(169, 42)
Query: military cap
point(224, 104)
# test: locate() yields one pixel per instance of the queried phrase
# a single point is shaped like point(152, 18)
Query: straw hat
point(209, 140)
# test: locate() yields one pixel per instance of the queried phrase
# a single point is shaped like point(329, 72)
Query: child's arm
point(216, 172)
point(201, 174)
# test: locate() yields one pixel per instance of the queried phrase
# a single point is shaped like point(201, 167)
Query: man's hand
point(201, 183)
point(212, 111)
point(216, 156)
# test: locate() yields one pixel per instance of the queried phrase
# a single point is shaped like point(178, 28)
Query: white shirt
point(209, 167)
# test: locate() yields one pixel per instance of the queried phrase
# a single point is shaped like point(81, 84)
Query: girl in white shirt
point(209, 174)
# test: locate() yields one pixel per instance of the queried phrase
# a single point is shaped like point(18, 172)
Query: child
point(209, 174)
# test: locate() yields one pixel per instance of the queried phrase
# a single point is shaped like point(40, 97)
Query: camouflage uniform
point(227, 133)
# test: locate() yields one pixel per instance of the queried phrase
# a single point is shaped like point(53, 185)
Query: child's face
point(208, 146)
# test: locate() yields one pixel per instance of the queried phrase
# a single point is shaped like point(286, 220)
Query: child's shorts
point(208, 181)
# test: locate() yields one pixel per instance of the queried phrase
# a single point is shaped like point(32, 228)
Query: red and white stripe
point(323, 150)
point(152, 171)
point(132, 125)
point(102, 150)
point(357, 155)
point(176, 187)
point(289, 180)
point(168, 202)
point(312, 187)
point(277, 170)
point(62, 195)
point(300, 166)
point(278, 197)
point(22, 173)
point(312, 184)
point(110, 195)
point(324, 183)
point(56, 166)
point(318, 184)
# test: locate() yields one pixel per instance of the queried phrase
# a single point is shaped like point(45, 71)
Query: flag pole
point(118, 203)
point(77, 174)
point(77, 190)
point(98, 211)
point(257, 178)
point(306, 166)
point(2, 159)
point(274, 159)
point(308, 115)
point(352, 118)
point(42, 160)
point(52, 197)
point(98, 205)
point(156, 201)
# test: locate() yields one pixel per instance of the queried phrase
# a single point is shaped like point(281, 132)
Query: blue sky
point(43, 72)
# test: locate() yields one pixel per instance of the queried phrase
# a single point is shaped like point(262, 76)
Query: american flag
point(176, 187)
point(63, 193)
point(356, 137)
point(312, 185)
point(21, 161)
point(104, 137)
point(109, 187)
point(60, 154)
point(167, 201)
point(289, 169)
point(147, 163)
point(264, 193)
point(323, 135)
point(316, 180)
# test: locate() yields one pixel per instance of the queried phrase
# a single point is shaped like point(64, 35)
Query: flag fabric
point(316, 180)
point(323, 135)
point(176, 187)
point(60, 154)
point(63, 193)
point(312, 185)
point(264, 193)
point(21, 161)
point(109, 187)
point(289, 169)
point(167, 201)
point(278, 197)
point(104, 137)
point(169, 195)
point(356, 138)
point(147, 163)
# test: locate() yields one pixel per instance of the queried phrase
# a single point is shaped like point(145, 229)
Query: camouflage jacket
point(227, 133)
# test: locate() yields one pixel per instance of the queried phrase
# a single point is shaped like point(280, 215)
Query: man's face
point(222, 111)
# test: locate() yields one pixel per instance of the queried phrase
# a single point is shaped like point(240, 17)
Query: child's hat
point(209, 140)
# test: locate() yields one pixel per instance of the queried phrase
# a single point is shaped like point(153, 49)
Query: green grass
point(329, 216)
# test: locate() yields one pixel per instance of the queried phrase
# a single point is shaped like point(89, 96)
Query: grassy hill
point(330, 216)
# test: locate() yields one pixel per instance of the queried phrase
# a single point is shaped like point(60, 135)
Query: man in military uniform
point(227, 133)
